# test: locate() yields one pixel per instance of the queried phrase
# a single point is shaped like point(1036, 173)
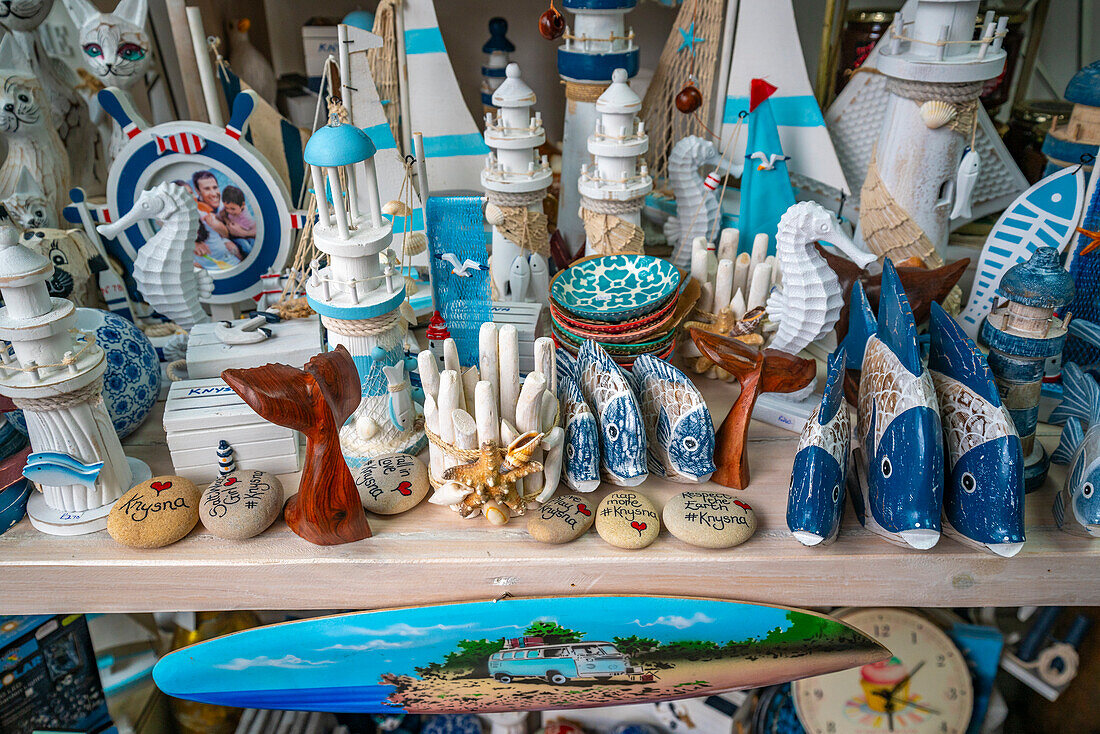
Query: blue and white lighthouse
point(497, 58)
point(597, 44)
point(359, 291)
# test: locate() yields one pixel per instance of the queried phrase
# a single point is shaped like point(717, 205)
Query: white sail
point(766, 46)
point(453, 146)
point(366, 112)
point(855, 118)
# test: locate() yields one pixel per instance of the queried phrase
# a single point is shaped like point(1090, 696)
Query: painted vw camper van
point(558, 664)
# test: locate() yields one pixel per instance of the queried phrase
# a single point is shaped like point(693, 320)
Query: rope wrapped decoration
point(363, 327)
point(888, 229)
point(955, 104)
point(607, 232)
point(526, 228)
point(581, 92)
point(90, 393)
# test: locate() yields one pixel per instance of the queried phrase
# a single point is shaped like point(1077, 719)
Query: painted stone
point(983, 496)
point(582, 441)
point(155, 513)
point(815, 500)
point(899, 450)
point(622, 435)
point(392, 483)
point(678, 426)
point(709, 519)
point(626, 519)
point(241, 504)
point(562, 519)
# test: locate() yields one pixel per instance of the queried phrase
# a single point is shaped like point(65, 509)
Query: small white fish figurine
point(54, 469)
point(519, 278)
point(539, 291)
point(582, 454)
point(402, 412)
point(679, 430)
point(622, 434)
point(970, 167)
point(1077, 504)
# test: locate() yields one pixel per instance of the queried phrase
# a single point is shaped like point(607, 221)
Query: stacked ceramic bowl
point(625, 303)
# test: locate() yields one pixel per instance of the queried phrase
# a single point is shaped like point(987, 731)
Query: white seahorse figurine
point(164, 269)
point(696, 203)
point(807, 305)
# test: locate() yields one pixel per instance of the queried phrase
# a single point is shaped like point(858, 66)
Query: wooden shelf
point(429, 555)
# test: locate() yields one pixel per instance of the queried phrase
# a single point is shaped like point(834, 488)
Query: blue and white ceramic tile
point(679, 430)
point(622, 433)
point(615, 287)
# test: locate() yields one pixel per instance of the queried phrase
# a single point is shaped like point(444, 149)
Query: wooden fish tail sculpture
point(622, 435)
point(899, 452)
point(582, 453)
point(815, 502)
point(983, 496)
point(1077, 505)
point(679, 430)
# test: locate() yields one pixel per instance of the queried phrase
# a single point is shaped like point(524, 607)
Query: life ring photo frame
point(231, 180)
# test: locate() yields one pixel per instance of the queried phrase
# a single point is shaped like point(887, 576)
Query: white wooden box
point(318, 42)
point(200, 413)
point(293, 342)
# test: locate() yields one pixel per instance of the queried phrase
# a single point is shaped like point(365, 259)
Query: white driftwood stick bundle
point(529, 418)
point(553, 444)
point(546, 360)
point(470, 378)
point(486, 413)
point(447, 404)
point(488, 354)
point(737, 304)
point(465, 429)
point(508, 356)
point(761, 285)
point(742, 266)
point(723, 285)
point(429, 373)
point(451, 362)
point(759, 249)
point(728, 242)
point(508, 432)
point(435, 454)
point(699, 261)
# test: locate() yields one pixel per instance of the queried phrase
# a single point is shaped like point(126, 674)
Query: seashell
point(365, 427)
point(396, 208)
point(415, 243)
point(937, 113)
point(451, 493)
point(520, 450)
point(494, 215)
point(496, 513)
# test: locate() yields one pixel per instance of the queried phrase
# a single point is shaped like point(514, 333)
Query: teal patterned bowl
point(615, 287)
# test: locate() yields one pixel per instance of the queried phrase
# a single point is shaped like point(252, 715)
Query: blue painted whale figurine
point(582, 442)
point(622, 435)
point(55, 469)
point(899, 452)
point(1077, 504)
point(815, 502)
point(983, 496)
point(678, 427)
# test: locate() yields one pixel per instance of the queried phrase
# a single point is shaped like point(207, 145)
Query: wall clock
point(925, 688)
point(231, 181)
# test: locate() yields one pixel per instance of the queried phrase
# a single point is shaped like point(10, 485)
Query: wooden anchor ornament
point(315, 400)
point(756, 371)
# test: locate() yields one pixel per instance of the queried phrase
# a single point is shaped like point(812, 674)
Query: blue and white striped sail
point(365, 108)
point(453, 145)
point(1046, 214)
point(766, 46)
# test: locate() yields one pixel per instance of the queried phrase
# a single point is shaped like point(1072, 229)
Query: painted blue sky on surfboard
point(519, 653)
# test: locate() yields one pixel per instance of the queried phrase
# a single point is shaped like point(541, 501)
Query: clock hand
point(907, 678)
point(922, 707)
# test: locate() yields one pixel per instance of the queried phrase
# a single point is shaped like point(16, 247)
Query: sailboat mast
point(345, 68)
point(403, 79)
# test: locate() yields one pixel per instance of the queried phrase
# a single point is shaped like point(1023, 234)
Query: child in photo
point(238, 222)
point(214, 250)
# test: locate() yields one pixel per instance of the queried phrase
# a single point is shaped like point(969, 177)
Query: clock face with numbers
point(925, 688)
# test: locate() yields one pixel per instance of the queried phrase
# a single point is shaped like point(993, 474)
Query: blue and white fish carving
point(582, 443)
point(815, 502)
point(55, 469)
point(899, 451)
point(1077, 504)
point(983, 496)
point(678, 427)
point(401, 410)
point(622, 435)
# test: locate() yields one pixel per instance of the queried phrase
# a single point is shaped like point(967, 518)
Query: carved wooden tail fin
point(278, 393)
point(338, 379)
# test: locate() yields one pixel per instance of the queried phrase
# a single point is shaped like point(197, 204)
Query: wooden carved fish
point(582, 452)
point(622, 436)
point(678, 426)
point(1077, 504)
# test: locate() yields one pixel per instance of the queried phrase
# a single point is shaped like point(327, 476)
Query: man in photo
point(239, 223)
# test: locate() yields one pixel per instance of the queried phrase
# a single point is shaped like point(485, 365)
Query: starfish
point(1094, 240)
point(489, 472)
point(689, 39)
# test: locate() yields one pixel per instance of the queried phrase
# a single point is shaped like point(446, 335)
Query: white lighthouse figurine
point(922, 172)
point(596, 45)
point(614, 185)
point(359, 292)
point(55, 374)
point(515, 178)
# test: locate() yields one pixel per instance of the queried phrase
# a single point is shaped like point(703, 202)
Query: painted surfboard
point(1045, 214)
point(531, 654)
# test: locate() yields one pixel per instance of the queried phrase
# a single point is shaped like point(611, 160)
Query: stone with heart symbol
point(391, 483)
point(562, 519)
point(627, 519)
point(709, 519)
point(241, 504)
point(155, 513)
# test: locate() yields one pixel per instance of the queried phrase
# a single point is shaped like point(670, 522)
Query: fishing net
point(456, 227)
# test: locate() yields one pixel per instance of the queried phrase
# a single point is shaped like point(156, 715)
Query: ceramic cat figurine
point(678, 427)
point(28, 206)
point(815, 502)
point(117, 51)
point(622, 434)
point(899, 445)
point(582, 455)
point(983, 497)
point(69, 109)
point(26, 124)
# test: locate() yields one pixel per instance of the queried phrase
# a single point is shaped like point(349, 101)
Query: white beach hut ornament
point(614, 186)
point(55, 374)
point(515, 180)
point(359, 292)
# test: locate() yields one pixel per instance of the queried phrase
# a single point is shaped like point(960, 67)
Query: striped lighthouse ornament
point(226, 463)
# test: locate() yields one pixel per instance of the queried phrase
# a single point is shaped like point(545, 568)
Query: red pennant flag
point(759, 90)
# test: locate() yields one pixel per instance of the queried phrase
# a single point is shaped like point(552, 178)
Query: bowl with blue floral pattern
point(615, 287)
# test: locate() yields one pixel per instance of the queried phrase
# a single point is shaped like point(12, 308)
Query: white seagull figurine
point(462, 269)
